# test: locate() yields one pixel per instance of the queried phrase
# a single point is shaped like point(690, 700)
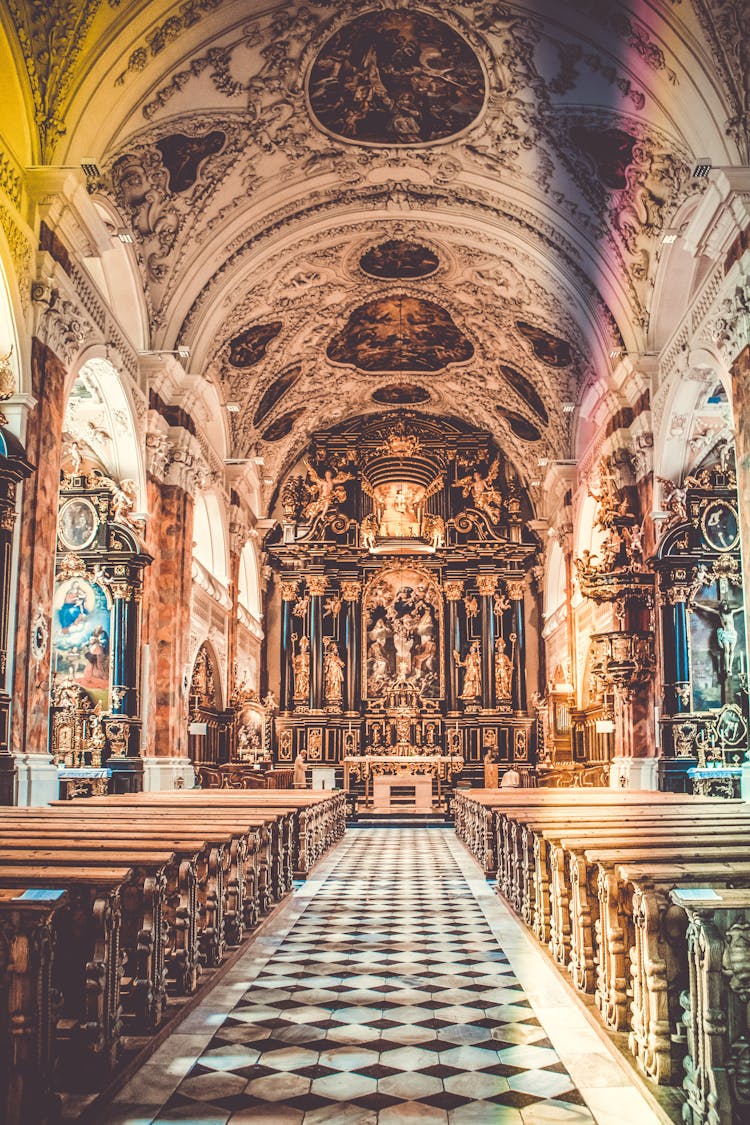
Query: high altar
point(402, 556)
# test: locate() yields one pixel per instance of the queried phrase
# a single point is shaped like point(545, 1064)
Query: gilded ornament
point(487, 584)
point(453, 589)
point(316, 584)
point(351, 591)
point(289, 590)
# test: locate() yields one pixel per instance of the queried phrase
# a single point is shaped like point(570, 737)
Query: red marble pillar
point(36, 565)
point(740, 371)
point(166, 605)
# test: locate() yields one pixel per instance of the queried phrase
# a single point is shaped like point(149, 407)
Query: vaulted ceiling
point(337, 205)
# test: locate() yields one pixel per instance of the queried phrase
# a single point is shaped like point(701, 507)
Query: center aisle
point(383, 997)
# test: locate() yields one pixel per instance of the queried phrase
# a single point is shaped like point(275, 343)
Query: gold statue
point(325, 490)
point(301, 667)
point(472, 666)
point(482, 491)
point(333, 672)
point(503, 671)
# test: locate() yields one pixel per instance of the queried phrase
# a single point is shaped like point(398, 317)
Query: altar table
point(364, 766)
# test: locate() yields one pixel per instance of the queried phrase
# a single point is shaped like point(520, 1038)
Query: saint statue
point(333, 673)
point(503, 671)
point(472, 666)
point(300, 771)
point(301, 667)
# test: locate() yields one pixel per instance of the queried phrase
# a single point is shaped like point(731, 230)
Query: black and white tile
point(386, 999)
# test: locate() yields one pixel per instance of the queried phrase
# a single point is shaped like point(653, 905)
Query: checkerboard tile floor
point(389, 1000)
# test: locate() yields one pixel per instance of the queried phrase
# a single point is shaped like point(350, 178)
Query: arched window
point(249, 591)
point(209, 536)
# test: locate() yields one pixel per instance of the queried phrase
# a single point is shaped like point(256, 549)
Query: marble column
point(288, 598)
point(167, 597)
point(487, 585)
point(516, 591)
point(29, 732)
point(13, 469)
point(316, 585)
point(453, 590)
point(740, 372)
point(351, 592)
point(676, 649)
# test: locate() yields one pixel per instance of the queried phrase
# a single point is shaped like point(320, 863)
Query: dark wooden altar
point(401, 556)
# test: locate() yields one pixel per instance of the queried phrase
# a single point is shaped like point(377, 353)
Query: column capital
point(487, 584)
point(316, 584)
point(453, 589)
point(351, 591)
point(289, 588)
point(516, 588)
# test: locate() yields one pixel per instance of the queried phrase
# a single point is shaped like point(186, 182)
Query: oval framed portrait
point(77, 524)
point(720, 526)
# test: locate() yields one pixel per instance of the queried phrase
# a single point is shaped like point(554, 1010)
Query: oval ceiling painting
point(526, 390)
point(400, 394)
point(250, 346)
point(399, 77)
point(283, 425)
point(520, 426)
point(276, 391)
point(400, 333)
point(550, 349)
point(399, 260)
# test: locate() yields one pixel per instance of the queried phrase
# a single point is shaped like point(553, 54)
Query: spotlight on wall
point(183, 352)
point(615, 354)
point(702, 167)
point(233, 408)
point(543, 462)
point(568, 407)
point(669, 237)
point(125, 236)
point(90, 169)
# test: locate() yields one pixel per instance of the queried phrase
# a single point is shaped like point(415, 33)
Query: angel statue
point(482, 491)
point(674, 501)
point(368, 531)
point(325, 490)
point(123, 501)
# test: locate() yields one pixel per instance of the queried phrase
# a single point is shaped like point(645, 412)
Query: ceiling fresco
point(550, 349)
point(400, 333)
point(400, 394)
point(398, 77)
point(275, 392)
point(250, 346)
point(399, 259)
point(281, 173)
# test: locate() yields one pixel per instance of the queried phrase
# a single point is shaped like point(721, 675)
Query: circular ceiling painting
point(400, 333)
point(399, 77)
point(400, 394)
point(399, 260)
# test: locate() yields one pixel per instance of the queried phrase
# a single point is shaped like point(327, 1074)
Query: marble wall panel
point(36, 567)
point(166, 618)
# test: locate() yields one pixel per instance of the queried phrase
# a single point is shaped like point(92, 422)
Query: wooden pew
point(716, 1005)
point(27, 938)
